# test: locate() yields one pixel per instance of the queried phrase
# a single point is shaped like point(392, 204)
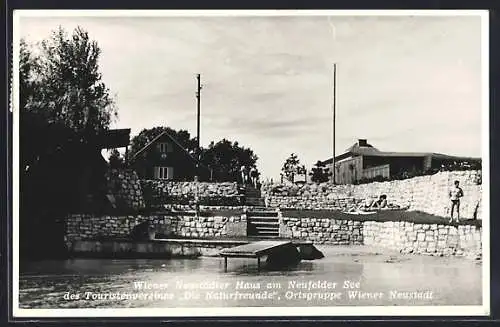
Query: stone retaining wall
point(88, 227)
point(159, 193)
point(187, 207)
point(329, 231)
point(424, 193)
point(406, 237)
point(125, 186)
point(431, 239)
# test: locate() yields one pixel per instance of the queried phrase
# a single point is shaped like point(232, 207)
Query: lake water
point(346, 276)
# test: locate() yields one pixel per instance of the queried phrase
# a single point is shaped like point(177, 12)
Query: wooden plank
point(253, 249)
point(238, 255)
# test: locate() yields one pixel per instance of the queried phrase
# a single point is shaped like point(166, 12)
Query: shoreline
point(356, 253)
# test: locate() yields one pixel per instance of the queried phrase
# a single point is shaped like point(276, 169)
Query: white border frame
point(481, 310)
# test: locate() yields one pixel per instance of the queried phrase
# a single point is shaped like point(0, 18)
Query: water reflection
point(452, 281)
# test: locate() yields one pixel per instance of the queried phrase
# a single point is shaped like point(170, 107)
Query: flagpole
point(334, 114)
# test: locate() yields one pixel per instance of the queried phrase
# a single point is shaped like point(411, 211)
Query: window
point(164, 172)
point(164, 147)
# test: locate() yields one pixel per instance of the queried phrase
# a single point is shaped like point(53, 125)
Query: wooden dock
point(252, 250)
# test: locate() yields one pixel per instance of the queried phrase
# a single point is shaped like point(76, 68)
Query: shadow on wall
point(477, 210)
point(143, 232)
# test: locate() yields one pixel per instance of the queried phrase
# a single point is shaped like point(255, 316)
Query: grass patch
point(416, 217)
point(203, 213)
point(222, 213)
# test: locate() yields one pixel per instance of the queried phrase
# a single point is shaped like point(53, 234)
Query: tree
point(115, 159)
point(320, 173)
point(291, 167)
point(60, 82)
point(62, 94)
point(225, 159)
point(62, 104)
point(28, 68)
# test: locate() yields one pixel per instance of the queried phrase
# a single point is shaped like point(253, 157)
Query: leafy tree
point(225, 158)
point(60, 82)
point(63, 102)
point(115, 159)
point(291, 167)
point(28, 66)
point(320, 173)
point(62, 94)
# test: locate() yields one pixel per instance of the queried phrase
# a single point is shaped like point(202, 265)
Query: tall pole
point(198, 93)
point(198, 152)
point(334, 113)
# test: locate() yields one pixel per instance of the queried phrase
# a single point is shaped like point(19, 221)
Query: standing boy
point(243, 172)
point(253, 176)
point(455, 194)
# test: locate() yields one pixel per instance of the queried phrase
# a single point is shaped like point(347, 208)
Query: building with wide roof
point(364, 161)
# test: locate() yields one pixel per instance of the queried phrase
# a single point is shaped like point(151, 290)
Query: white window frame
point(164, 147)
point(164, 172)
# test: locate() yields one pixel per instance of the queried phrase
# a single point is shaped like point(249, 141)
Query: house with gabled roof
point(165, 158)
point(364, 161)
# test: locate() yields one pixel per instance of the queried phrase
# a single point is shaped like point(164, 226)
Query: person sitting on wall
point(380, 203)
point(365, 205)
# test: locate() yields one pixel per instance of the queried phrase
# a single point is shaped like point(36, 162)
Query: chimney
point(362, 142)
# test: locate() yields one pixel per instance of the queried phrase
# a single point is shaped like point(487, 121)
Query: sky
point(405, 83)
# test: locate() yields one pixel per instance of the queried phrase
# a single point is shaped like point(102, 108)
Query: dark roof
point(144, 148)
point(364, 150)
point(422, 154)
point(356, 150)
point(114, 138)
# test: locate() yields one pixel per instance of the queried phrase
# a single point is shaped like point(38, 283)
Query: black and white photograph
point(204, 163)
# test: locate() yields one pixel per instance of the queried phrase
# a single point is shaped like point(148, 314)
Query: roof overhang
point(114, 138)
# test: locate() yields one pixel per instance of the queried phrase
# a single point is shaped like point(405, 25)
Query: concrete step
point(258, 201)
point(264, 223)
point(266, 237)
point(262, 214)
point(264, 233)
point(267, 229)
point(268, 234)
point(262, 208)
point(253, 195)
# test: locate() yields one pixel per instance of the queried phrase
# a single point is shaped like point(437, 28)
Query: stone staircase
point(263, 223)
point(253, 197)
